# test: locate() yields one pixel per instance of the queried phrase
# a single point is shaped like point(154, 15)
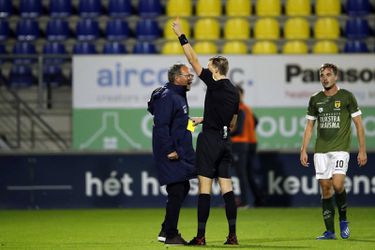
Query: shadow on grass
point(362, 240)
point(260, 243)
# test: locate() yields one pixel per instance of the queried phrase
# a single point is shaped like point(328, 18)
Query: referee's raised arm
point(188, 50)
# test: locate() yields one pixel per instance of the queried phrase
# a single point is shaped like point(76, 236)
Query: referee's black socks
point(230, 211)
point(204, 201)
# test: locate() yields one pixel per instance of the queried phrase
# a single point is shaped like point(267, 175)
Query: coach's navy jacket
point(171, 113)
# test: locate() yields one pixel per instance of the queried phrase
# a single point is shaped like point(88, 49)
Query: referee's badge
point(337, 104)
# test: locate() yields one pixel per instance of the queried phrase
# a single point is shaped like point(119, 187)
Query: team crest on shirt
point(320, 110)
point(337, 104)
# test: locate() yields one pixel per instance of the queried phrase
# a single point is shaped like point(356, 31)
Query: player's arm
point(362, 155)
point(305, 142)
point(233, 123)
point(188, 50)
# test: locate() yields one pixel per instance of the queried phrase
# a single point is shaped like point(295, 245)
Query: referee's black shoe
point(231, 240)
point(176, 240)
point(197, 241)
point(162, 236)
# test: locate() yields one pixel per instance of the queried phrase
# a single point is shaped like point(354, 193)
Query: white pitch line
point(39, 187)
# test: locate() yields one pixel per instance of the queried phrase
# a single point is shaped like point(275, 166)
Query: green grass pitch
point(261, 228)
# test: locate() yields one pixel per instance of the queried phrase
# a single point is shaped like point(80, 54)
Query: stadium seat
point(2, 53)
point(297, 28)
point(207, 29)
point(84, 47)
point(326, 28)
point(30, 8)
point(264, 47)
point(238, 8)
point(205, 48)
point(356, 46)
point(181, 8)
point(267, 28)
point(265, 8)
point(27, 29)
point(57, 29)
point(358, 7)
point(147, 29)
point(208, 8)
point(172, 48)
point(357, 28)
point(328, 7)
point(117, 29)
point(149, 8)
point(237, 29)
point(235, 47)
point(295, 47)
point(90, 8)
point(24, 48)
point(4, 29)
point(119, 8)
point(325, 47)
point(114, 47)
point(51, 49)
point(298, 7)
point(6, 8)
point(60, 8)
point(87, 29)
point(53, 75)
point(144, 47)
point(20, 76)
point(168, 31)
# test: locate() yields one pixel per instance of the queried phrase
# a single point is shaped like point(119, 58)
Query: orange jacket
point(248, 131)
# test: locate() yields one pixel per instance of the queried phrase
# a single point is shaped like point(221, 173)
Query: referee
point(214, 148)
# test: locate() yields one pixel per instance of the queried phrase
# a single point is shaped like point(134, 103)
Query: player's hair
point(239, 88)
point(174, 71)
point(329, 66)
point(221, 63)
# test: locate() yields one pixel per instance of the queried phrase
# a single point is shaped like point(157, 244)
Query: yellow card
point(190, 126)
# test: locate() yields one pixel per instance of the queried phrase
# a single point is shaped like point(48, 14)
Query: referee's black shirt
point(221, 102)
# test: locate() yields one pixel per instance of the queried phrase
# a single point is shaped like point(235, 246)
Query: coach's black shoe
point(162, 236)
point(197, 241)
point(231, 240)
point(176, 240)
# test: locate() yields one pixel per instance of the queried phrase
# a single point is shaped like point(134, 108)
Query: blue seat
point(30, 8)
point(90, 8)
point(114, 47)
point(54, 48)
point(357, 28)
point(6, 8)
point(20, 76)
point(355, 46)
point(27, 29)
point(24, 48)
point(53, 75)
point(358, 7)
point(149, 8)
point(4, 29)
point(87, 29)
point(57, 30)
point(119, 8)
point(147, 29)
point(84, 47)
point(60, 8)
point(144, 47)
point(117, 29)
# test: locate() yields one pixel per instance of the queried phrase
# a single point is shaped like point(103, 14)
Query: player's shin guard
point(231, 211)
point(203, 213)
point(328, 214)
point(341, 203)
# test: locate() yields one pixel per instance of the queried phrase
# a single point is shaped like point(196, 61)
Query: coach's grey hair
point(174, 71)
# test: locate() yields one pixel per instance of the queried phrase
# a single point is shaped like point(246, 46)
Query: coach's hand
point(173, 156)
point(176, 26)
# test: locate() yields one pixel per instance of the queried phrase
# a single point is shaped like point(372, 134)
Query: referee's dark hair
point(329, 66)
point(174, 71)
point(221, 63)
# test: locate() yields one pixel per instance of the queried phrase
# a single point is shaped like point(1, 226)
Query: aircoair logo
point(295, 72)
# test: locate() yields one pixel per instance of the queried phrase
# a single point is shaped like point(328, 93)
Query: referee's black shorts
point(214, 154)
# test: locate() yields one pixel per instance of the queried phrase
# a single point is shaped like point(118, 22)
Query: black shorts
point(214, 155)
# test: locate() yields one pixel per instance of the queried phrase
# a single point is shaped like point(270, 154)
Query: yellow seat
point(181, 8)
point(326, 28)
point(297, 28)
point(235, 47)
point(325, 47)
point(328, 7)
point(268, 8)
point(235, 8)
point(298, 7)
point(172, 48)
point(264, 47)
point(205, 48)
point(208, 8)
point(168, 31)
point(207, 29)
point(295, 47)
point(266, 28)
point(237, 29)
